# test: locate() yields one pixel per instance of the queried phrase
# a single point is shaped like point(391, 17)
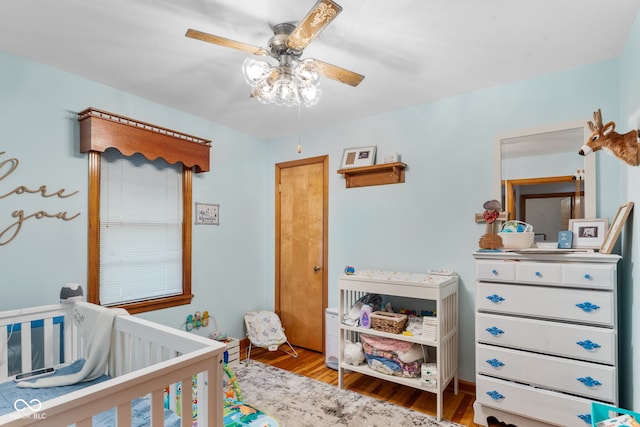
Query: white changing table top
point(401, 278)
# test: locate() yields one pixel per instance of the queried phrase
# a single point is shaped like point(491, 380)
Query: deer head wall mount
point(625, 147)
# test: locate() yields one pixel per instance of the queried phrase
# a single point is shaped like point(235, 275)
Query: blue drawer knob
point(495, 363)
point(495, 331)
point(586, 418)
point(495, 298)
point(587, 307)
point(538, 274)
point(589, 382)
point(495, 395)
point(494, 272)
point(588, 276)
point(588, 344)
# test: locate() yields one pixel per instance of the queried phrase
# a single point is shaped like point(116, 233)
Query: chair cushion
point(264, 328)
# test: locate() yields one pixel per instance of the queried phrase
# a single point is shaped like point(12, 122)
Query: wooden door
point(301, 249)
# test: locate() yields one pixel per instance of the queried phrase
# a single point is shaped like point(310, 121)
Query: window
point(139, 211)
point(140, 228)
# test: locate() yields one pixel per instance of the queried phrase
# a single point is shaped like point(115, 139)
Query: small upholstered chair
point(265, 330)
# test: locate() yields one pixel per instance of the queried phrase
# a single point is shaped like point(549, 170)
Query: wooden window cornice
point(100, 130)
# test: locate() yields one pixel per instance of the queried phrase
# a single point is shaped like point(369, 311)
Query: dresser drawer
point(578, 305)
point(582, 379)
point(537, 272)
point(595, 344)
point(547, 406)
point(589, 275)
point(496, 271)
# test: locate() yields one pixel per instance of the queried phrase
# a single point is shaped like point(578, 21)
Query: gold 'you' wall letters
point(7, 234)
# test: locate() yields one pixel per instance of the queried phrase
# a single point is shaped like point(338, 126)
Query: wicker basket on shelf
point(393, 323)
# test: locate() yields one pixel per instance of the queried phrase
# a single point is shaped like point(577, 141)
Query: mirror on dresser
point(541, 179)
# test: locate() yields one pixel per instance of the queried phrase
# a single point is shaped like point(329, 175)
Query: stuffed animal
point(625, 147)
point(353, 353)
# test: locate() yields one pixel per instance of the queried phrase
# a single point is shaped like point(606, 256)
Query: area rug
point(298, 401)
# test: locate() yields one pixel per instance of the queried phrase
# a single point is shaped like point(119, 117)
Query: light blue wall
point(628, 180)
point(447, 145)
point(38, 126)
point(426, 222)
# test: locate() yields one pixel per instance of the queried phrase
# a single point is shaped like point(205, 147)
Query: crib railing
point(145, 359)
point(38, 334)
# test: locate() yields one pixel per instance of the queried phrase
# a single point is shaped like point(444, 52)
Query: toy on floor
point(236, 412)
point(623, 146)
point(353, 353)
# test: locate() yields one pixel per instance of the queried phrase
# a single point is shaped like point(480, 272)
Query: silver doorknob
point(316, 268)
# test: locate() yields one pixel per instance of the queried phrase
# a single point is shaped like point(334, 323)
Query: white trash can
point(331, 338)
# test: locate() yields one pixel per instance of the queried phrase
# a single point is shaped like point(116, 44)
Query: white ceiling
point(410, 51)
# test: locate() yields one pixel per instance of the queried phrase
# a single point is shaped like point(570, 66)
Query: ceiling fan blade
point(340, 74)
point(221, 41)
point(320, 15)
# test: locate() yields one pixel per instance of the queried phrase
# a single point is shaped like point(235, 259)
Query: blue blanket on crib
point(13, 398)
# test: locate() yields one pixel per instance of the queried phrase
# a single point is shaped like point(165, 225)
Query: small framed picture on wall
point(207, 213)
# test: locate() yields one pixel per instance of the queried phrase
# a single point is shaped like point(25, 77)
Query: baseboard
point(244, 344)
point(467, 387)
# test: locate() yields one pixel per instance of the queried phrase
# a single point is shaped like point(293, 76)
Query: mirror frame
point(589, 160)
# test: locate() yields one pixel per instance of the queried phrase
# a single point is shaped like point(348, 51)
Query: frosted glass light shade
point(255, 71)
point(288, 84)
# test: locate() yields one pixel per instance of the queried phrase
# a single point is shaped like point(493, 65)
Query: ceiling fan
point(292, 81)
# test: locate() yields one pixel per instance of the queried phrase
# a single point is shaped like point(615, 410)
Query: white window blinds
point(140, 228)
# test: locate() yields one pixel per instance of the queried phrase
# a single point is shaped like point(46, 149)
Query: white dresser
point(546, 337)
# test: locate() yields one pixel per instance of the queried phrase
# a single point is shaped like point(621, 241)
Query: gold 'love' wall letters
point(7, 167)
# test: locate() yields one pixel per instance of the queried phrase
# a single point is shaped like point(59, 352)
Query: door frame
point(325, 228)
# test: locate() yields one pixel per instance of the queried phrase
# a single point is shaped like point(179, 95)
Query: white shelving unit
point(441, 290)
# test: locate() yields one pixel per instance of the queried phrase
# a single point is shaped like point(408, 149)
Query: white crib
point(145, 359)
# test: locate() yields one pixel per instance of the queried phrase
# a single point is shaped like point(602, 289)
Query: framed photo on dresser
point(616, 227)
point(588, 233)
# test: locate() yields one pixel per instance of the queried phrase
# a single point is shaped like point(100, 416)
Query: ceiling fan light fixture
point(264, 91)
point(310, 95)
point(289, 84)
point(286, 92)
point(255, 71)
point(308, 72)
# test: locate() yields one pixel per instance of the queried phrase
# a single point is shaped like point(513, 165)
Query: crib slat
point(123, 415)
point(202, 397)
point(48, 341)
point(157, 408)
point(25, 345)
point(70, 340)
point(186, 401)
point(4, 360)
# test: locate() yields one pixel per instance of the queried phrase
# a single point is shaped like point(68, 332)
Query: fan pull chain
point(299, 129)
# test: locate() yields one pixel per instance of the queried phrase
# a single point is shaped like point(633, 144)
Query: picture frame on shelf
point(207, 213)
point(360, 156)
point(616, 227)
point(588, 233)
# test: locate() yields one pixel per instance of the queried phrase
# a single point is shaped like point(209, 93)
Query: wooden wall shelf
point(386, 173)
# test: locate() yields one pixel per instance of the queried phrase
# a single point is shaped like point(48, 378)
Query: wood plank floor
point(457, 408)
